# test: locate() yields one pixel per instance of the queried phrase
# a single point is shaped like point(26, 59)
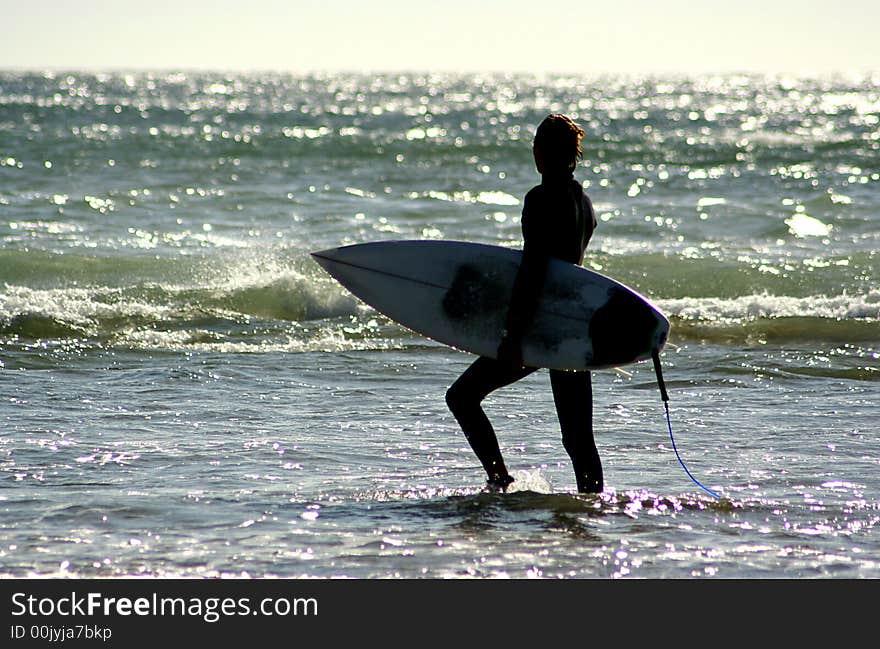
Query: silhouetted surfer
point(557, 221)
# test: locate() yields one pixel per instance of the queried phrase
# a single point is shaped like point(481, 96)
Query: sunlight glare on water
point(186, 393)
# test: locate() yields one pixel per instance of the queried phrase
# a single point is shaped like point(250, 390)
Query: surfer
point(557, 221)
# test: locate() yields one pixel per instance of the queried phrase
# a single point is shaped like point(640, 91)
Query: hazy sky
point(580, 36)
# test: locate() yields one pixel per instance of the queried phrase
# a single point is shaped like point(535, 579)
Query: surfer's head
point(557, 144)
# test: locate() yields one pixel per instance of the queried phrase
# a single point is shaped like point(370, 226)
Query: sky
point(542, 36)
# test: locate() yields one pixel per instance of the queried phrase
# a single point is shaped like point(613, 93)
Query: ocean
point(185, 393)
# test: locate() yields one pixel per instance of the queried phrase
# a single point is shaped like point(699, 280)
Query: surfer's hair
point(559, 140)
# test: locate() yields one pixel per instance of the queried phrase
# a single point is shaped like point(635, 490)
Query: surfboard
point(458, 293)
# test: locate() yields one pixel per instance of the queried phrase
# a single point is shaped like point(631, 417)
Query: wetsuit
point(557, 221)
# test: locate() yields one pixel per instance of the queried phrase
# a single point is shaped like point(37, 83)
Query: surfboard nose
point(325, 257)
point(324, 254)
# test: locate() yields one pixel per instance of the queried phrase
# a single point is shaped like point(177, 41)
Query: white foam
point(803, 225)
point(249, 288)
point(531, 480)
point(751, 307)
point(79, 307)
point(199, 340)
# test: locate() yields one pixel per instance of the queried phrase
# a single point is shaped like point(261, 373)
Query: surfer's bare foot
point(498, 484)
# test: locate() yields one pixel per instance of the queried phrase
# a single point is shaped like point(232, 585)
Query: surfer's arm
point(526, 293)
point(528, 284)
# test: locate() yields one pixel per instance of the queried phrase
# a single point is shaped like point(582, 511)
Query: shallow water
point(184, 393)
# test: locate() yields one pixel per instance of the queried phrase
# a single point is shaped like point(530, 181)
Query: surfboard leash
point(655, 355)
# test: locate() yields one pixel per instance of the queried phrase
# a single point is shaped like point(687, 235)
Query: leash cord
point(655, 354)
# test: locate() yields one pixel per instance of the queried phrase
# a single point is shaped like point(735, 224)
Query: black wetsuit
point(558, 221)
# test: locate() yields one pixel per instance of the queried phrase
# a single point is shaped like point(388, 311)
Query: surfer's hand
point(510, 353)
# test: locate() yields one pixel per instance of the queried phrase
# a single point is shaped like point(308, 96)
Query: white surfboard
point(457, 293)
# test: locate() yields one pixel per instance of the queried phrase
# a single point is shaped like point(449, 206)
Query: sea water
point(183, 392)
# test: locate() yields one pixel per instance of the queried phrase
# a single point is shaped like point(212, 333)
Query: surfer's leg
point(464, 398)
point(573, 394)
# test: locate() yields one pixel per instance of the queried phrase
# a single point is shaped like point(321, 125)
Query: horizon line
point(318, 72)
